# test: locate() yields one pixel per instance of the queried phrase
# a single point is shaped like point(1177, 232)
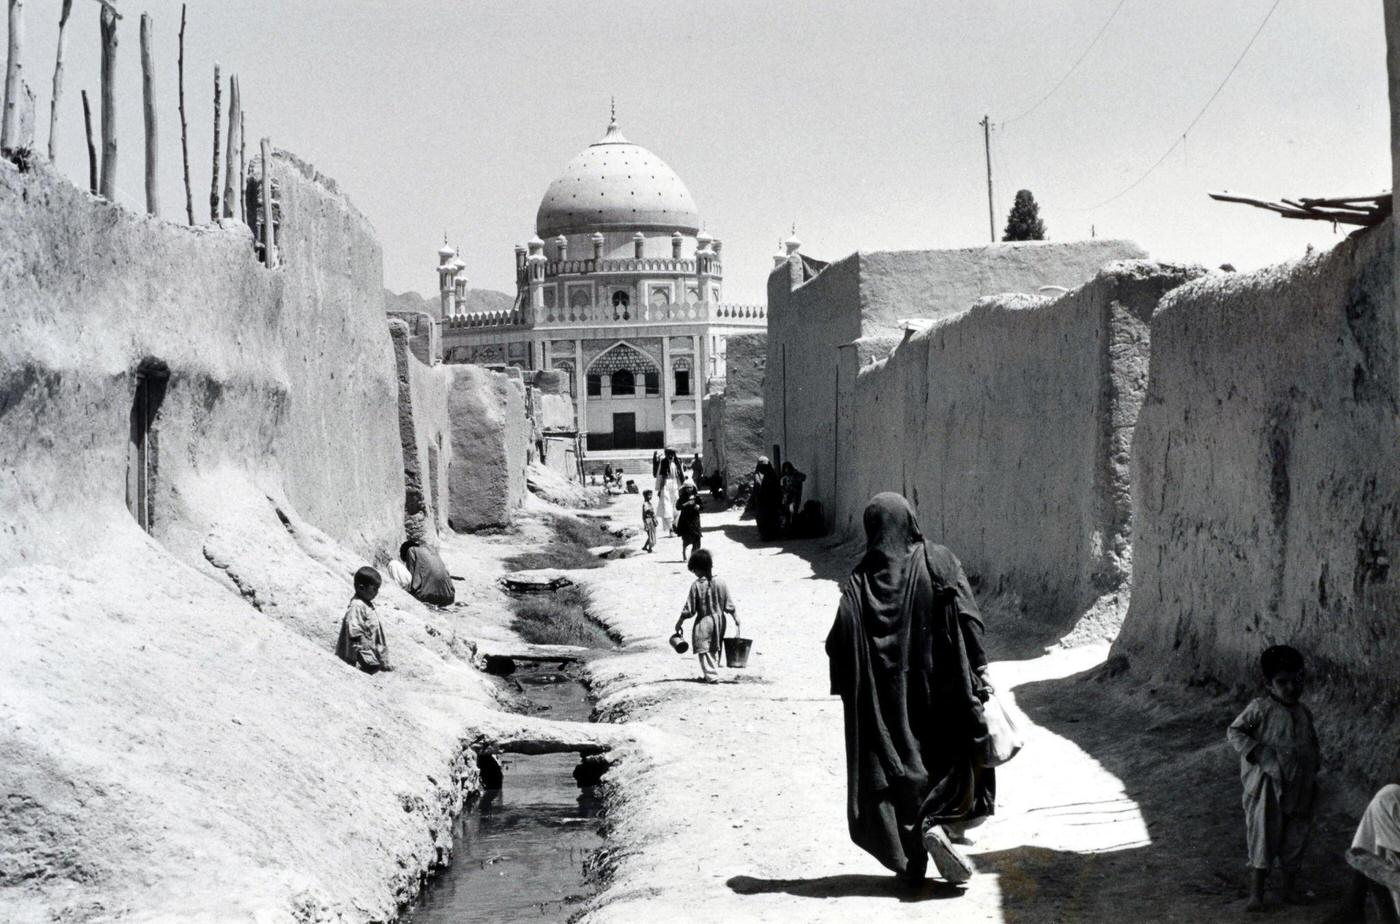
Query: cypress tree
point(1024, 224)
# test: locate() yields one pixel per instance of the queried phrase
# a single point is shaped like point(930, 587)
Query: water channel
point(520, 849)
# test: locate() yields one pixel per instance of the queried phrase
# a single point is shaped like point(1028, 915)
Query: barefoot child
point(709, 603)
point(648, 521)
point(1279, 760)
point(361, 641)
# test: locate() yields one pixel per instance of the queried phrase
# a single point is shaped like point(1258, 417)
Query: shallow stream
point(520, 849)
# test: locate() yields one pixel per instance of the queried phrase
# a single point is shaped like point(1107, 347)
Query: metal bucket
point(679, 643)
point(736, 651)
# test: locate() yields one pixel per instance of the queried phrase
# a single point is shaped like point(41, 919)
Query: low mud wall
point(179, 738)
point(1008, 427)
point(490, 446)
point(1266, 490)
point(734, 420)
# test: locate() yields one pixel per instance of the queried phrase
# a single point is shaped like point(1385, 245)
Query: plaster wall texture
point(425, 430)
point(1008, 427)
point(812, 320)
point(1266, 492)
point(741, 422)
point(180, 737)
point(490, 445)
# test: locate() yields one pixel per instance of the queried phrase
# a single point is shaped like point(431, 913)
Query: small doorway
point(624, 431)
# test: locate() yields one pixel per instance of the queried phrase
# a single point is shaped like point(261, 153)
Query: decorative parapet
point(645, 265)
point(512, 318)
point(741, 314)
point(573, 315)
point(623, 314)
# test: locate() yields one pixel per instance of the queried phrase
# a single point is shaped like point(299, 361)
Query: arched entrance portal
point(625, 409)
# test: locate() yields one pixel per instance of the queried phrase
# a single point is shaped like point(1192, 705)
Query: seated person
point(428, 579)
point(1375, 860)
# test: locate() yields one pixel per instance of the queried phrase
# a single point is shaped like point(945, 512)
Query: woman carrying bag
point(908, 663)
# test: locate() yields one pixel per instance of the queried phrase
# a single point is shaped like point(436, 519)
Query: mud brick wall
point(1008, 427)
point(1266, 491)
point(490, 443)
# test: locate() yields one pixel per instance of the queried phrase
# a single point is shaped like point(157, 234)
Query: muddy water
point(520, 849)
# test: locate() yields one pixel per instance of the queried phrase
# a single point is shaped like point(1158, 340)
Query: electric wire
point(1181, 136)
point(1072, 68)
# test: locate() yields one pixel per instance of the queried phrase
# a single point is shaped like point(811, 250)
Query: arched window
point(623, 383)
point(681, 369)
point(621, 299)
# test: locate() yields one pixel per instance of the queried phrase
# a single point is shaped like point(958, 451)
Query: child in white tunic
point(1279, 759)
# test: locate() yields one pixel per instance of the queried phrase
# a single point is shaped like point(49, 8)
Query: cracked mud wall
point(1008, 427)
point(1266, 493)
point(184, 742)
point(734, 417)
point(862, 298)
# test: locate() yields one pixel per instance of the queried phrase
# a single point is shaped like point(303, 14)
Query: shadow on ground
point(845, 886)
point(828, 559)
point(1166, 745)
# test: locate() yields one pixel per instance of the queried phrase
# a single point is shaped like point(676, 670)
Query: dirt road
point(1124, 805)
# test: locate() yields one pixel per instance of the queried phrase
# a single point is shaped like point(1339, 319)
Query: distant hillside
point(477, 300)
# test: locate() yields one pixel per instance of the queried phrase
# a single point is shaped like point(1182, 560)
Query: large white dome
point(614, 185)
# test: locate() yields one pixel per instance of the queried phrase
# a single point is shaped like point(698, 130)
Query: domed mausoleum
point(620, 287)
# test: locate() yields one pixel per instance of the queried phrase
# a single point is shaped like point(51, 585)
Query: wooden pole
point(243, 167)
point(92, 146)
point(184, 125)
point(148, 99)
point(14, 77)
point(58, 78)
point(265, 200)
point(987, 145)
point(214, 183)
point(231, 190)
point(108, 186)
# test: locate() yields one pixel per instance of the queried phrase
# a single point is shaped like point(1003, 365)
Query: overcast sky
point(858, 121)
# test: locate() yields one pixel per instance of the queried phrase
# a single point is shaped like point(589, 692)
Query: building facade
point(621, 288)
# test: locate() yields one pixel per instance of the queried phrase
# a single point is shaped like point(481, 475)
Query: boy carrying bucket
point(708, 601)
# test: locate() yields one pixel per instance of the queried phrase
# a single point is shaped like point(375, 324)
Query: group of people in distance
point(775, 498)
point(675, 501)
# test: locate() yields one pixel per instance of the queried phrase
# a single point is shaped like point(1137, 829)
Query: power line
point(1072, 68)
point(1181, 138)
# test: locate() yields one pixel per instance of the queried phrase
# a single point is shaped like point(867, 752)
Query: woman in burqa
point(907, 661)
point(767, 500)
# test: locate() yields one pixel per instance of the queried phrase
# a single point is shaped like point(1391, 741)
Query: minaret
point(534, 269)
point(459, 286)
point(445, 273)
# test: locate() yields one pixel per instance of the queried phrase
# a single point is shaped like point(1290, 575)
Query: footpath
point(1124, 805)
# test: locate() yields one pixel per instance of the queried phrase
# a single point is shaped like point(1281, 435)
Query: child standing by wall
point(1279, 760)
point(361, 641)
point(709, 603)
point(648, 521)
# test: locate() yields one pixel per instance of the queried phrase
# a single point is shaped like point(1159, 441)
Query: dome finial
point(613, 120)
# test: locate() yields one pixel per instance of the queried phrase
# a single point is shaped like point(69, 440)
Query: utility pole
point(987, 146)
